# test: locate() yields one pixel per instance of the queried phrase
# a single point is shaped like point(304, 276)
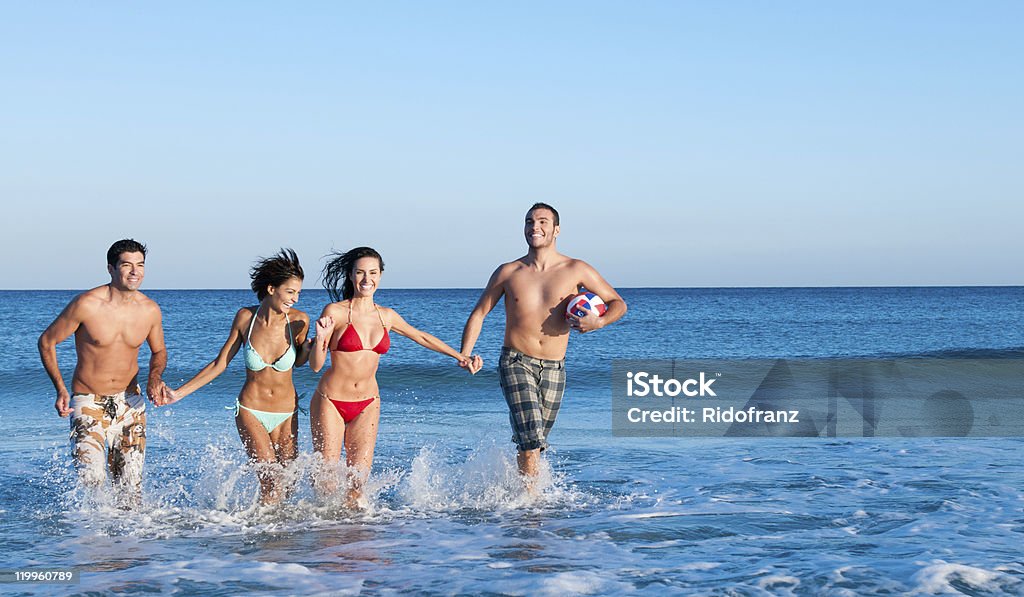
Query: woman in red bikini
point(345, 408)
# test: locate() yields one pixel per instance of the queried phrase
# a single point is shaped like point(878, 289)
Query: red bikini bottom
point(349, 410)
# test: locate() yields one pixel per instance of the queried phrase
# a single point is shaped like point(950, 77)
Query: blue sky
point(685, 143)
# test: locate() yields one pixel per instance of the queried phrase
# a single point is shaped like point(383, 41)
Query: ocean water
point(616, 515)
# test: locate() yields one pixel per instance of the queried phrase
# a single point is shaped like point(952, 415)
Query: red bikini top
point(349, 340)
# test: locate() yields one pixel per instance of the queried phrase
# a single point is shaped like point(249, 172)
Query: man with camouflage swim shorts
point(108, 414)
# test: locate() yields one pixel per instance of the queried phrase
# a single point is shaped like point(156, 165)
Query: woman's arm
point(428, 341)
point(217, 365)
point(324, 329)
point(302, 347)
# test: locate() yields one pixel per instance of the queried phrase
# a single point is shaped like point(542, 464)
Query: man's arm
point(58, 331)
point(593, 282)
point(488, 299)
point(155, 387)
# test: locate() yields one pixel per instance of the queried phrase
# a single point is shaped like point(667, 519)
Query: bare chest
point(535, 292)
point(123, 327)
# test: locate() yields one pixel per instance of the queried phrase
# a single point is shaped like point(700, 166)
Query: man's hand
point(471, 363)
point(588, 323)
point(155, 390)
point(166, 397)
point(61, 404)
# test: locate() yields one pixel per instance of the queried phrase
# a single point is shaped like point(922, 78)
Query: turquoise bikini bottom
point(269, 420)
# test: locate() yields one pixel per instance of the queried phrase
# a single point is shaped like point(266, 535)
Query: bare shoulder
point(335, 308)
point(244, 316)
point(298, 315)
point(388, 313)
point(83, 307)
point(89, 300)
point(510, 269)
point(578, 265)
point(581, 273)
point(148, 304)
point(585, 275)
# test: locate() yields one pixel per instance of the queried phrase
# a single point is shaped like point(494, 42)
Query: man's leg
point(128, 452)
point(549, 390)
point(518, 378)
point(89, 423)
point(529, 463)
point(551, 387)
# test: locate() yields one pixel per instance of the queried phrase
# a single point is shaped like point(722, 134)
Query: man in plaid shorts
point(537, 288)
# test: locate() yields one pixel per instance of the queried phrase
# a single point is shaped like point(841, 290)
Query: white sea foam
point(582, 582)
point(941, 577)
point(779, 584)
point(197, 575)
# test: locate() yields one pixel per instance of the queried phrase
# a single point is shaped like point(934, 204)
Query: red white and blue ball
point(583, 302)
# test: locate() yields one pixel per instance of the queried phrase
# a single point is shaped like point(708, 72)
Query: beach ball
point(583, 302)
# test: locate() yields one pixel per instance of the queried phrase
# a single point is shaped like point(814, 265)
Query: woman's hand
point(324, 329)
point(167, 397)
point(471, 363)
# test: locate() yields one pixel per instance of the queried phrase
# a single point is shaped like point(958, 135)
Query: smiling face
point(284, 297)
point(128, 272)
point(540, 229)
point(365, 276)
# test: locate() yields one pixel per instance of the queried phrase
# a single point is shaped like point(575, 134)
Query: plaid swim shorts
point(533, 390)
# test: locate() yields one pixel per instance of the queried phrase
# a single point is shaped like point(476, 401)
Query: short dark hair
point(540, 205)
point(274, 271)
point(125, 245)
point(339, 269)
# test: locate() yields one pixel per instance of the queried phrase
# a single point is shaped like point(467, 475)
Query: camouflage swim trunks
point(114, 426)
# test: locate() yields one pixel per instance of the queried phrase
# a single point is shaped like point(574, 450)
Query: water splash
point(221, 494)
point(487, 480)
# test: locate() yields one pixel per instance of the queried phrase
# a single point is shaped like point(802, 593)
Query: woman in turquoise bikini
point(266, 406)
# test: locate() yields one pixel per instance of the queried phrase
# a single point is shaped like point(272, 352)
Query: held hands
point(168, 397)
point(588, 323)
point(324, 329)
point(160, 394)
point(471, 363)
point(61, 404)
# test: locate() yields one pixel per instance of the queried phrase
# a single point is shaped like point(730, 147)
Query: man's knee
point(530, 444)
point(91, 472)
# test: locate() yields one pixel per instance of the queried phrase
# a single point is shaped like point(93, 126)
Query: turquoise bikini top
point(253, 360)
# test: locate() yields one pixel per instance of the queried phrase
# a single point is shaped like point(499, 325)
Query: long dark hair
point(339, 269)
point(274, 271)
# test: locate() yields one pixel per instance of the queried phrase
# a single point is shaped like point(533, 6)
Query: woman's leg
point(328, 432)
point(360, 441)
point(286, 446)
point(261, 451)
